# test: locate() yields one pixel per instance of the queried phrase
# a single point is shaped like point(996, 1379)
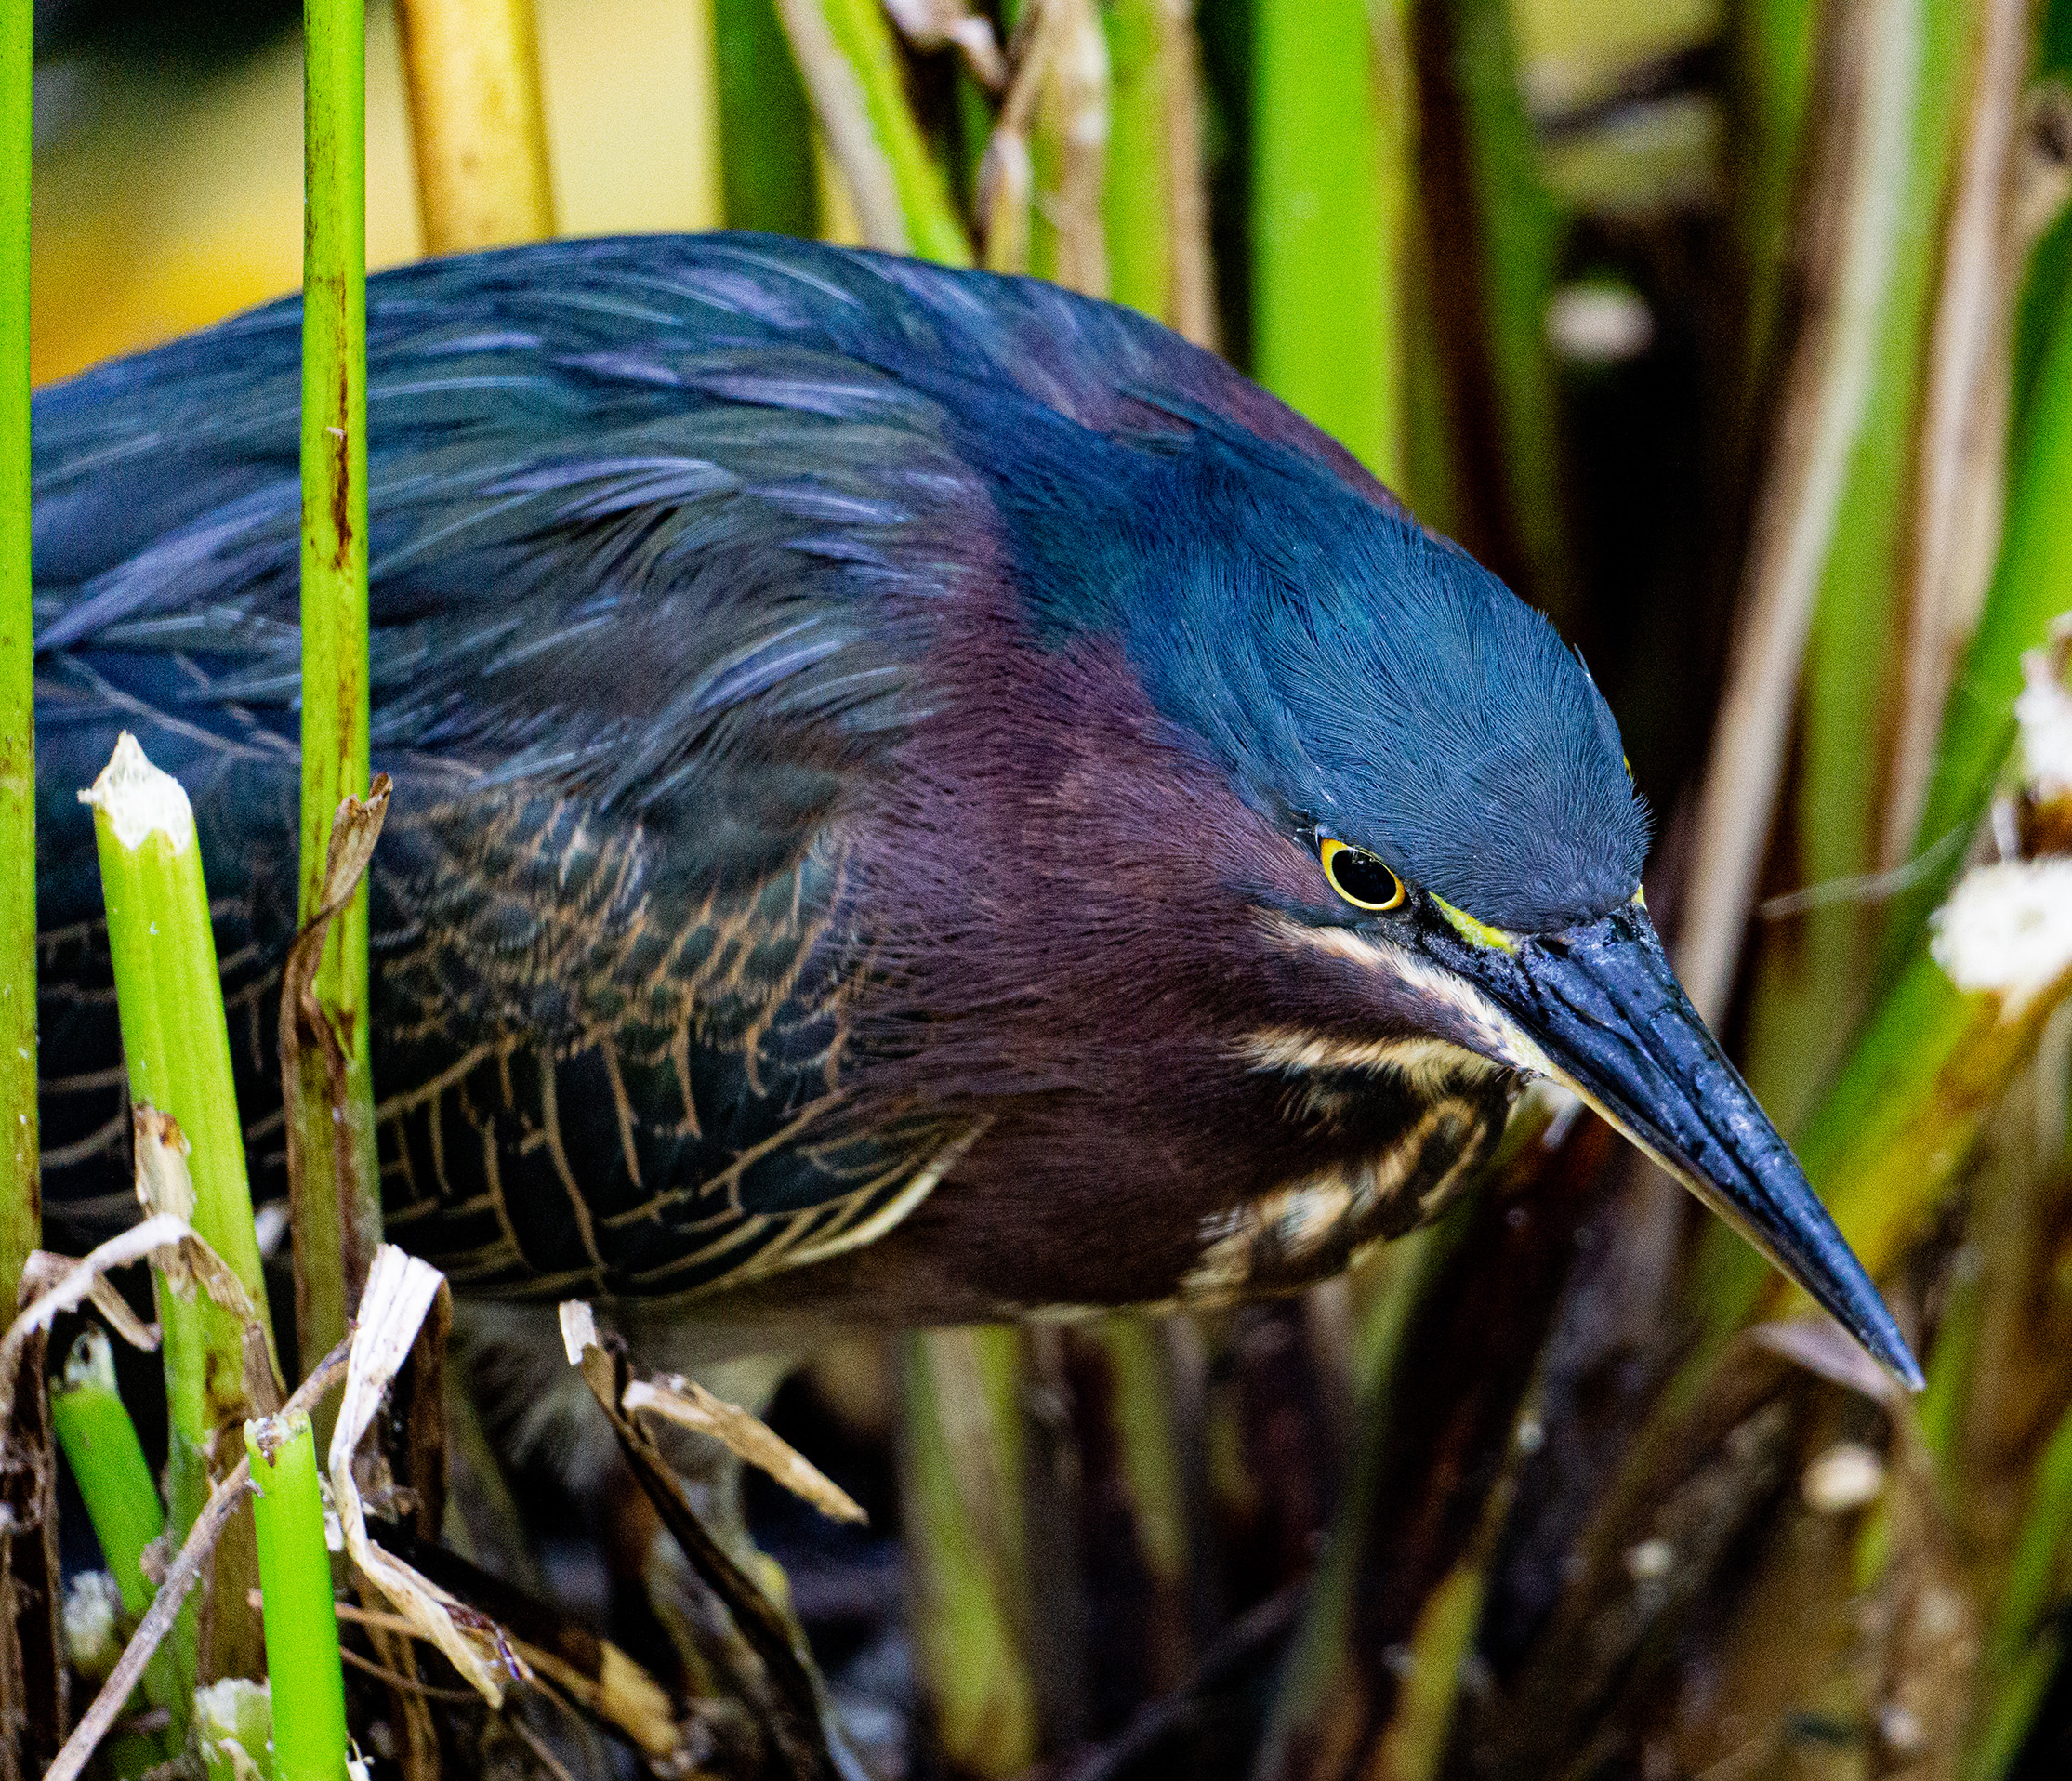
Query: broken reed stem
point(302, 1664)
point(1332, 137)
point(477, 122)
point(169, 1002)
point(152, 1630)
point(335, 701)
point(107, 1460)
point(20, 1192)
point(169, 998)
point(180, 1577)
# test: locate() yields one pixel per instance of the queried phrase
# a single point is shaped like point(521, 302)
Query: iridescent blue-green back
point(676, 546)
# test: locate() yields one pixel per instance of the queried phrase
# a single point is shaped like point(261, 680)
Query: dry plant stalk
point(795, 1710)
point(34, 1678)
point(1053, 122)
point(1007, 171)
point(1192, 310)
point(1075, 117)
point(937, 24)
point(852, 73)
point(400, 1291)
point(1861, 162)
point(334, 1245)
point(477, 122)
point(689, 1405)
point(2012, 185)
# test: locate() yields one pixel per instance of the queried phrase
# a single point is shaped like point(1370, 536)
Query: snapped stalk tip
point(140, 800)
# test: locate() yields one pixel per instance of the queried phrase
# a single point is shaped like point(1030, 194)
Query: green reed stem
point(107, 1461)
point(20, 1191)
point(961, 1463)
point(853, 74)
point(1811, 992)
point(2023, 1643)
point(1324, 1658)
point(335, 703)
point(1770, 78)
point(1334, 130)
point(1519, 237)
point(302, 1666)
point(766, 142)
point(169, 1002)
point(100, 1445)
point(1133, 200)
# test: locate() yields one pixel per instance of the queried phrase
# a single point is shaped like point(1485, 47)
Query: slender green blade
point(335, 703)
point(21, 1193)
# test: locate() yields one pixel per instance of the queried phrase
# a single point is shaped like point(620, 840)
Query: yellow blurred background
point(166, 198)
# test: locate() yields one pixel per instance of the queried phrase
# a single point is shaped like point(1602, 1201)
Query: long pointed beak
point(1602, 1005)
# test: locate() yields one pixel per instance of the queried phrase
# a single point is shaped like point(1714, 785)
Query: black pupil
point(1362, 876)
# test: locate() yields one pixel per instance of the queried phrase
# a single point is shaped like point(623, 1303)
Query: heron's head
point(1471, 840)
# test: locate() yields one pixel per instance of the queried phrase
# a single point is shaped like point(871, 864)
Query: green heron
point(919, 796)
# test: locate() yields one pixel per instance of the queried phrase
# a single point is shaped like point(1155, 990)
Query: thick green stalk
point(1134, 203)
point(20, 1191)
point(1770, 63)
point(1151, 1459)
point(1153, 199)
point(766, 141)
point(335, 702)
point(107, 1460)
point(1331, 182)
point(1511, 254)
point(302, 1667)
point(169, 1003)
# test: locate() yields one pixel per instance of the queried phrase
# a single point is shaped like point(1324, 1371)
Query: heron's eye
point(1360, 878)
